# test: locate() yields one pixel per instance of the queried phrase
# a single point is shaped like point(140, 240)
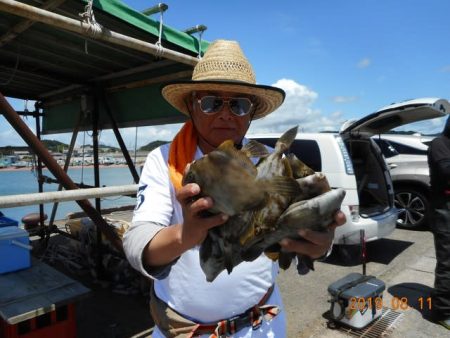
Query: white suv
point(362, 172)
point(353, 161)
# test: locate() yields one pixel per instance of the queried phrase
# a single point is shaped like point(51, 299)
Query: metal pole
point(66, 165)
point(363, 250)
point(39, 173)
point(27, 135)
point(80, 27)
point(22, 26)
point(124, 149)
point(12, 201)
point(95, 117)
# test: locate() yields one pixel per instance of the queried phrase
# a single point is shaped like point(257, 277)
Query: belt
point(252, 317)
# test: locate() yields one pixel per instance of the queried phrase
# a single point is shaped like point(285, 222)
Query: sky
point(336, 59)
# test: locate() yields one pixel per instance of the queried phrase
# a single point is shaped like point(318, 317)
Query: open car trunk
point(371, 175)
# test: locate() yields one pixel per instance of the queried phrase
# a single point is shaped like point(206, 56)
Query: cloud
point(297, 109)
point(364, 63)
point(145, 135)
point(286, 23)
point(445, 69)
point(344, 99)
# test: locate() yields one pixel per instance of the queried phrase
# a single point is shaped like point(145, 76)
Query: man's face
point(213, 116)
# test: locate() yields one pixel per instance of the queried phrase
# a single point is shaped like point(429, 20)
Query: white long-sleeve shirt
point(183, 285)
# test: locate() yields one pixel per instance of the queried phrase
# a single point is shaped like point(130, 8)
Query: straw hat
point(224, 68)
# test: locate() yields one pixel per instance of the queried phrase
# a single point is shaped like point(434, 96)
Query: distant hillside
point(152, 145)
point(9, 150)
point(54, 145)
point(51, 145)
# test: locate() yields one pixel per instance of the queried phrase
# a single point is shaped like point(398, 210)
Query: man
point(163, 242)
point(439, 163)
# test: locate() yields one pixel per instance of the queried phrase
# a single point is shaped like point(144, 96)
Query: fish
point(220, 249)
point(314, 214)
point(286, 200)
point(228, 176)
point(274, 166)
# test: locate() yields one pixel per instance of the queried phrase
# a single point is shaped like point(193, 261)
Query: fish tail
point(255, 149)
point(285, 141)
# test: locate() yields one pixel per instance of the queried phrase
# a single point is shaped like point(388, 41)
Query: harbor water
point(25, 181)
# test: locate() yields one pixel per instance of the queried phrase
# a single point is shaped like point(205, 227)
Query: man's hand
point(314, 244)
point(195, 226)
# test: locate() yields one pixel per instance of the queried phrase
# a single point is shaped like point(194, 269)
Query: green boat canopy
point(71, 74)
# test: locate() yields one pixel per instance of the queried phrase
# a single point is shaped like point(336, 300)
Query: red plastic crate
point(58, 323)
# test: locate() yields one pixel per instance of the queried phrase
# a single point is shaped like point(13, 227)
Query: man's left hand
point(314, 244)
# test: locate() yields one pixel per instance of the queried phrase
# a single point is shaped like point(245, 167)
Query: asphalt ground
point(404, 261)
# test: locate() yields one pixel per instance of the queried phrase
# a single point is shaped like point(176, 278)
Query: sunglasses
point(240, 106)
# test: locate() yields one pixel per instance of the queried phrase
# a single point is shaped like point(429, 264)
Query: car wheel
point(413, 208)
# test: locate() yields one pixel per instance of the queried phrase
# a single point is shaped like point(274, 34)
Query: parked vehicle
point(369, 200)
point(107, 160)
point(406, 156)
point(352, 160)
point(396, 115)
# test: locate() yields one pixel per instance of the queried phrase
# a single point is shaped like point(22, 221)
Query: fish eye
point(189, 178)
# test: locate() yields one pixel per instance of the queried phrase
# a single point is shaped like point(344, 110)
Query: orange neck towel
point(181, 152)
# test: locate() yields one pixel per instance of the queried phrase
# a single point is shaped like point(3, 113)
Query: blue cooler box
point(6, 222)
point(14, 249)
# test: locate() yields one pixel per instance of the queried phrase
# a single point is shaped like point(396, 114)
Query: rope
point(200, 44)
point(94, 29)
point(158, 43)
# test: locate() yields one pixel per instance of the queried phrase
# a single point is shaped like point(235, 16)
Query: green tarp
point(134, 98)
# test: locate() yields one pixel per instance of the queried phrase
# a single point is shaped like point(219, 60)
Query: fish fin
point(273, 251)
point(255, 149)
point(228, 257)
point(304, 264)
point(283, 185)
point(254, 251)
point(299, 169)
point(287, 166)
point(285, 141)
point(285, 259)
point(309, 262)
point(272, 255)
point(248, 234)
point(227, 147)
point(206, 249)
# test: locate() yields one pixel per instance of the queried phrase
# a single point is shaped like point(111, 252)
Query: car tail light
point(354, 212)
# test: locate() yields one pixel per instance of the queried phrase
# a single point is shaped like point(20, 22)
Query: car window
point(404, 149)
point(309, 152)
point(386, 148)
point(306, 150)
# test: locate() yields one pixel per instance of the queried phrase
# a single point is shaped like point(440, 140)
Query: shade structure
point(67, 71)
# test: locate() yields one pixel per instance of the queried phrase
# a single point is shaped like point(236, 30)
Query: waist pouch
point(173, 324)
